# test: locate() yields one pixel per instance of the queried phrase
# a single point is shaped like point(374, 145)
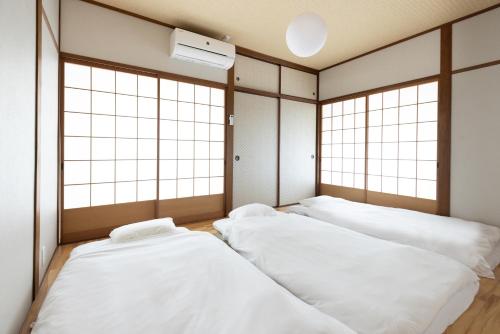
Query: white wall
point(476, 40)
point(93, 31)
point(17, 129)
point(475, 156)
point(413, 59)
point(48, 148)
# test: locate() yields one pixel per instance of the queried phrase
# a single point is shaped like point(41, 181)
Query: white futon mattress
point(372, 285)
point(469, 242)
point(188, 282)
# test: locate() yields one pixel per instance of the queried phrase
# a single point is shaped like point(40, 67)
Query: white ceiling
point(354, 26)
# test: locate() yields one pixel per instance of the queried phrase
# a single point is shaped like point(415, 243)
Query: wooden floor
point(482, 317)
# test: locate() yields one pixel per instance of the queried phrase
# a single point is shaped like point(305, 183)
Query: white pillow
point(318, 200)
point(252, 210)
point(143, 229)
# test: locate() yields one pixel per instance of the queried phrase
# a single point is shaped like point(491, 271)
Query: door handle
point(312, 156)
point(237, 157)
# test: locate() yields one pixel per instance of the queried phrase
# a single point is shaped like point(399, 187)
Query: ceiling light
point(306, 35)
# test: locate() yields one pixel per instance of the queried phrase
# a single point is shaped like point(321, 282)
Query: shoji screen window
point(110, 130)
point(343, 143)
point(191, 140)
point(402, 141)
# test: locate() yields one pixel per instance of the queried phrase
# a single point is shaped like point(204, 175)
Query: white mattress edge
point(493, 258)
point(453, 309)
point(490, 261)
point(446, 316)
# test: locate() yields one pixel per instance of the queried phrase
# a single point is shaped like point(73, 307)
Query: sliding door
point(138, 146)
point(109, 150)
point(381, 148)
point(191, 152)
point(255, 149)
point(297, 151)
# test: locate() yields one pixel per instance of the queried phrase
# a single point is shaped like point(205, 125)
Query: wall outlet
point(42, 256)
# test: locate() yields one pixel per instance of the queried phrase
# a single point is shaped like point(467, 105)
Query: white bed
point(474, 244)
point(372, 285)
point(186, 282)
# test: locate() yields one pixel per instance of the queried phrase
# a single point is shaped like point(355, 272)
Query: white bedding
point(188, 282)
point(465, 241)
point(493, 258)
point(372, 285)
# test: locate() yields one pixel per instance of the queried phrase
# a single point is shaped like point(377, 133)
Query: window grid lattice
point(196, 166)
point(343, 143)
point(111, 138)
point(402, 143)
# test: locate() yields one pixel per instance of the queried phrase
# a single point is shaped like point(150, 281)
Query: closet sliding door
point(297, 151)
point(255, 164)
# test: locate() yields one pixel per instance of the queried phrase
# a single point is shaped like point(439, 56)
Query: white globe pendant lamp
point(306, 35)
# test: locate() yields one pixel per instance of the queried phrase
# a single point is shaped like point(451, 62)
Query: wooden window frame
point(209, 123)
point(441, 205)
point(78, 224)
point(417, 122)
point(384, 199)
point(115, 137)
point(354, 143)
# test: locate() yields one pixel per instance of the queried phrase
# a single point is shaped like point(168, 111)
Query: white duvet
point(371, 285)
point(188, 282)
point(466, 241)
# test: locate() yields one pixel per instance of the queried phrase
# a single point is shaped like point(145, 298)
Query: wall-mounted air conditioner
point(196, 48)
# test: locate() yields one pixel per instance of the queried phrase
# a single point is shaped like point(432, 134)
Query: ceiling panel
point(354, 26)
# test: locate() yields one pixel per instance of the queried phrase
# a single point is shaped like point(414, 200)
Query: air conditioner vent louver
point(189, 46)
